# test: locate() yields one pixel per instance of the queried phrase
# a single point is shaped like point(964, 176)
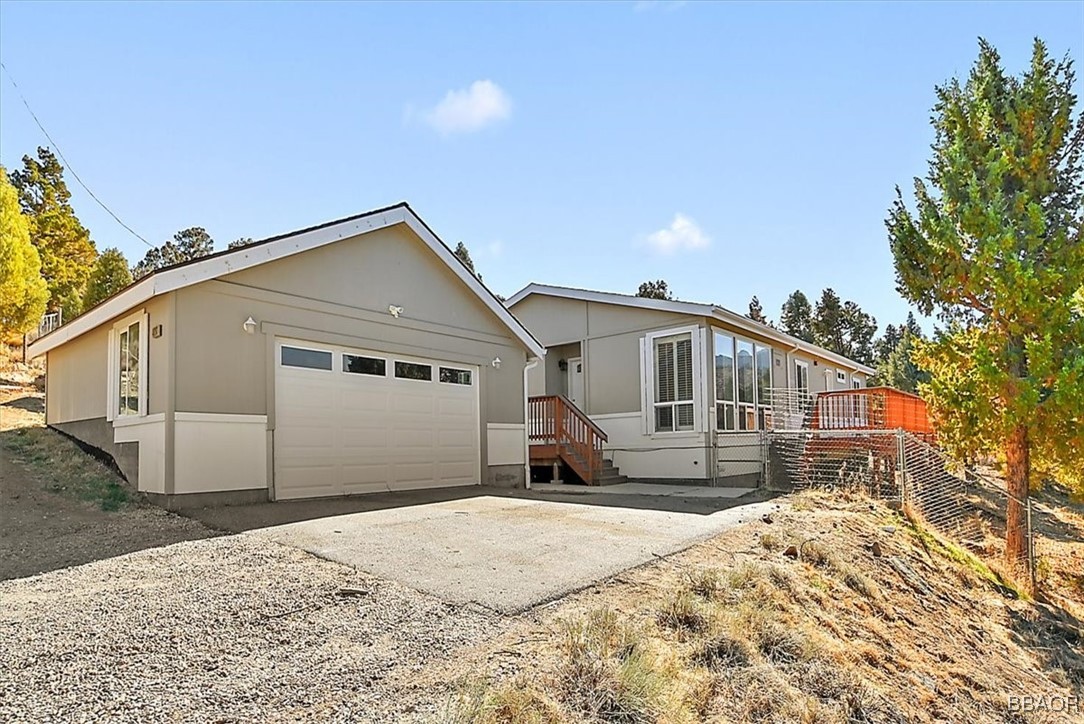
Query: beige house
point(356, 356)
point(680, 390)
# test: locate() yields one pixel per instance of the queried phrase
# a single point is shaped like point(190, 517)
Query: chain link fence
point(839, 442)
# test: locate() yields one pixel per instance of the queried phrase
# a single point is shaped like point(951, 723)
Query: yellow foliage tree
point(23, 291)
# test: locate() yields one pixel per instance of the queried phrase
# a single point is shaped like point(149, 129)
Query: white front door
point(355, 421)
point(575, 381)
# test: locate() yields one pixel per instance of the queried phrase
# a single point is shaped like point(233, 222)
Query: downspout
point(532, 362)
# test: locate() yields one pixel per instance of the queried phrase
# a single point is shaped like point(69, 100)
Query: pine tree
point(658, 289)
point(188, 244)
point(109, 275)
point(64, 245)
point(994, 247)
point(756, 312)
point(796, 317)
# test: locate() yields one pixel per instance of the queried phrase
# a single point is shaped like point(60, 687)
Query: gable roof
point(228, 261)
point(696, 309)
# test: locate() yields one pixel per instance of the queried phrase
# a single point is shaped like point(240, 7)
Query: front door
point(575, 381)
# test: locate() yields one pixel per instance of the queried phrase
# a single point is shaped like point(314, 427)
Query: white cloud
point(682, 235)
point(470, 109)
point(495, 248)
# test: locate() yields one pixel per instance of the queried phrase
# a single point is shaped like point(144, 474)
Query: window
point(743, 381)
point(128, 377)
point(413, 371)
point(841, 377)
point(801, 376)
point(313, 359)
point(453, 376)
point(724, 382)
point(358, 365)
point(674, 384)
point(856, 383)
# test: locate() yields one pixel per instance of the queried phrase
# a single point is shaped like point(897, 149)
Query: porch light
point(496, 363)
point(249, 326)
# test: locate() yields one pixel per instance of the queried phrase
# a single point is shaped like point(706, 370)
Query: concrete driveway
point(505, 554)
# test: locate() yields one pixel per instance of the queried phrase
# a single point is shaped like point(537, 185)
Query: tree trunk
point(1018, 469)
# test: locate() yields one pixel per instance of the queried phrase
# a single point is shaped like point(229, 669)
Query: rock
point(791, 552)
point(888, 528)
point(767, 518)
point(875, 549)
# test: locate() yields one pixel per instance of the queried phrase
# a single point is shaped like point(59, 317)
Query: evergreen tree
point(796, 317)
point(237, 243)
point(64, 246)
point(188, 244)
point(109, 275)
point(463, 254)
point(655, 290)
point(756, 312)
point(994, 247)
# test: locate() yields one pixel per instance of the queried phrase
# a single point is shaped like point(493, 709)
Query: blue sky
point(732, 149)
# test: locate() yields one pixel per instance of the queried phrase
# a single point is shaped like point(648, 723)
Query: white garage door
point(354, 421)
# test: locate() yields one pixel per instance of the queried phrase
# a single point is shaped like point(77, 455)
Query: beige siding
point(77, 379)
point(339, 294)
point(613, 374)
point(553, 320)
point(557, 379)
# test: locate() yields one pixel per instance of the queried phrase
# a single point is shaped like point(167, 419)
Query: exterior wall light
point(249, 326)
point(496, 363)
point(394, 310)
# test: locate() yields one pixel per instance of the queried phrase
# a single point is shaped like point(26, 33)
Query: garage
point(351, 421)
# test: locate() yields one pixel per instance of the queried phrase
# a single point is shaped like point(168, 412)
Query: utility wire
point(68, 165)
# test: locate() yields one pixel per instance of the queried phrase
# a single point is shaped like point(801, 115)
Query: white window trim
point(804, 364)
point(307, 348)
point(112, 408)
point(647, 377)
point(841, 376)
point(433, 370)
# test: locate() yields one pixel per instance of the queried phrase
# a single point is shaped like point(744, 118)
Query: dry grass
point(734, 630)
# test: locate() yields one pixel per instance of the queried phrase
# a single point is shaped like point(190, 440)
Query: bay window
point(743, 380)
point(674, 410)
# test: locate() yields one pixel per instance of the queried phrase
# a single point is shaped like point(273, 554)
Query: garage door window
point(453, 376)
point(313, 359)
point(359, 365)
point(413, 371)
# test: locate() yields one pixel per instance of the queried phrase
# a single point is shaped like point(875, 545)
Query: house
point(355, 356)
point(675, 390)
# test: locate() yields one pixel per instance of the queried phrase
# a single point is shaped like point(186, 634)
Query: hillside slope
point(834, 609)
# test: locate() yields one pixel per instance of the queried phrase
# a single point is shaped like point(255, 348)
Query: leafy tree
point(64, 244)
point(23, 291)
point(995, 247)
point(756, 312)
point(109, 275)
point(237, 243)
point(796, 317)
point(655, 290)
point(188, 244)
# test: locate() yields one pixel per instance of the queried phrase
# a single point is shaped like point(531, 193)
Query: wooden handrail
point(555, 420)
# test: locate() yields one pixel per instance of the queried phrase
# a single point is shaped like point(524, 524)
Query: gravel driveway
point(225, 629)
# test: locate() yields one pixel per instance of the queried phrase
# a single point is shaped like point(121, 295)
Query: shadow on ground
point(238, 518)
point(30, 404)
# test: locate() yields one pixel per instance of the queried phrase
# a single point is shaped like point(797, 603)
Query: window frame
point(113, 382)
point(804, 366)
point(841, 376)
point(397, 361)
point(342, 364)
point(856, 384)
point(469, 372)
point(329, 370)
point(648, 373)
point(761, 413)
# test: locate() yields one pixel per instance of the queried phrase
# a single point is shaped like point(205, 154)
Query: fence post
point(1031, 552)
point(901, 467)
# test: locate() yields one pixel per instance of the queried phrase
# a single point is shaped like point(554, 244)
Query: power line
point(68, 165)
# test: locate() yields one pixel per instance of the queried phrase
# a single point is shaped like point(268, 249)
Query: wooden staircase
point(560, 432)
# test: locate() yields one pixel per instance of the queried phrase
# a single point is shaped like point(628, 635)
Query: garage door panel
point(341, 433)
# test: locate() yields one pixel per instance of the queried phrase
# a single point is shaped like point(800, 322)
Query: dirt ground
point(50, 515)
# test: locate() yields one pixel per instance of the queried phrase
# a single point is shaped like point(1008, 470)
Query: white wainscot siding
point(150, 432)
point(679, 455)
point(505, 441)
point(739, 453)
point(219, 452)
